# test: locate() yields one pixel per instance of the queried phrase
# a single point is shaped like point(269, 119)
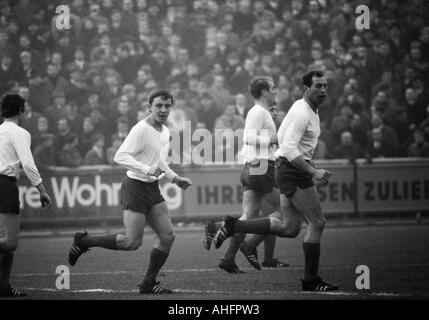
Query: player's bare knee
point(318, 225)
point(167, 238)
point(290, 231)
point(294, 230)
point(132, 245)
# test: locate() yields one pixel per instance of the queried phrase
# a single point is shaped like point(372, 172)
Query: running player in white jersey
point(15, 151)
point(143, 153)
point(257, 174)
point(298, 135)
point(269, 206)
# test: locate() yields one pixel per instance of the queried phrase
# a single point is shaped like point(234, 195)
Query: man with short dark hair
point(14, 151)
point(297, 137)
point(257, 175)
point(143, 153)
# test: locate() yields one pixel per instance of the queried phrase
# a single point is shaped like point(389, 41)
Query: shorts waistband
point(252, 161)
point(283, 158)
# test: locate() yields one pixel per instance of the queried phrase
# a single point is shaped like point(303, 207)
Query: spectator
point(44, 154)
point(88, 132)
point(42, 128)
point(95, 156)
point(379, 146)
point(415, 112)
point(40, 96)
point(242, 106)
point(111, 151)
point(114, 44)
point(387, 135)
point(70, 155)
point(229, 120)
point(122, 129)
point(78, 88)
point(420, 147)
point(7, 73)
point(30, 117)
point(63, 132)
point(219, 92)
point(208, 111)
point(342, 122)
point(57, 111)
point(56, 84)
point(74, 118)
point(347, 148)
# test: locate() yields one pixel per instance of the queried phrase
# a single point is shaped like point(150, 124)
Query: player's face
point(274, 112)
point(160, 109)
point(272, 94)
point(318, 91)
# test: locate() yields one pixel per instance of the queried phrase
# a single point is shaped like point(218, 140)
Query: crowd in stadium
point(88, 85)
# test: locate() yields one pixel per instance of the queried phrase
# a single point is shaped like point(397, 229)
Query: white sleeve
point(292, 135)
point(169, 174)
point(133, 143)
point(252, 131)
point(22, 144)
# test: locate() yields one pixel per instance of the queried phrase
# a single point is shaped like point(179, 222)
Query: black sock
point(157, 260)
point(6, 260)
point(107, 241)
point(256, 226)
point(269, 244)
point(312, 255)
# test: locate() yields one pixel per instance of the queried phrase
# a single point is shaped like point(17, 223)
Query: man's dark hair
point(258, 84)
point(12, 105)
point(164, 94)
point(307, 79)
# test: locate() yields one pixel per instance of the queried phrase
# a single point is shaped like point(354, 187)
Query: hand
point(156, 172)
point(322, 175)
point(182, 182)
point(45, 200)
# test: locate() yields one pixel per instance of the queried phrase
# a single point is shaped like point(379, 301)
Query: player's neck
point(156, 125)
point(262, 103)
point(13, 120)
point(312, 105)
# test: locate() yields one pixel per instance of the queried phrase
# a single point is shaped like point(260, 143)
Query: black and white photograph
point(214, 156)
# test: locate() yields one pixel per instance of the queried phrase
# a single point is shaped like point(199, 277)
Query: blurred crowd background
point(87, 86)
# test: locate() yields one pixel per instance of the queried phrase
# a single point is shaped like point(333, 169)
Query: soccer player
point(143, 153)
point(298, 135)
point(15, 150)
point(257, 174)
point(270, 205)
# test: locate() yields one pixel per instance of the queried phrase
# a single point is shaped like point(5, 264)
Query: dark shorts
point(262, 183)
point(9, 195)
point(139, 196)
point(289, 178)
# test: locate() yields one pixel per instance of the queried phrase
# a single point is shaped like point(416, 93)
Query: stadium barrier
point(90, 195)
